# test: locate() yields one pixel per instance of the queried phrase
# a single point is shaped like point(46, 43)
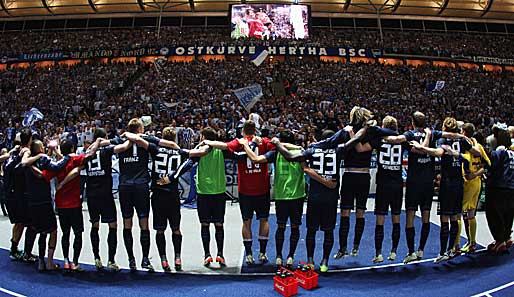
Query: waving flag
point(160, 65)
point(32, 116)
point(257, 59)
point(248, 96)
point(437, 86)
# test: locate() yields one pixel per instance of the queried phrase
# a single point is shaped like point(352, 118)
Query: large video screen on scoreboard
point(270, 21)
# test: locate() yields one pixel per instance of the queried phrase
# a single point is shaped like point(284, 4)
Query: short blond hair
point(169, 133)
point(360, 115)
point(450, 124)
point(134, 125)
point(390, 123)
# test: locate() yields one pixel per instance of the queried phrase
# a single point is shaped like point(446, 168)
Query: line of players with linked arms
point(28, 172)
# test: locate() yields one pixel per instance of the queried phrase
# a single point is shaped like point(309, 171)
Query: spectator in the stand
point(332, 123)
point(254, 116)
point(492, 140)
point(186, 137)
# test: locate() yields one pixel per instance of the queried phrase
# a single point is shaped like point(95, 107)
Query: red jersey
point(256, 28)
point(69, 195)
point(252, 179)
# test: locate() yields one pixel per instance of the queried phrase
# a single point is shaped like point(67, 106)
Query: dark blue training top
point(421, 166)
point(326, 163)
point(501, 172)
point(99, 173)
point(451, 167)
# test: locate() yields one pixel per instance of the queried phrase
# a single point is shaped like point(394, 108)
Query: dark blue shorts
point(249, 205)
point(135, 197)
point(451, 195)
point(389, 196)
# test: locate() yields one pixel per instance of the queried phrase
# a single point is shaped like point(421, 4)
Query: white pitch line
point(11, 293)
point(387, 265)
point(374, 267)
point(488, 293)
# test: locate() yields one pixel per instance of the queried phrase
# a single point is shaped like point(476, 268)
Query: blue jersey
point(353, 158)
point(501, 173)
point(10, 173)
point(134, 163)
point(451, 167)
point(389, 162)
point(38, 189)
point(326, 163)
point(166, 162)
point(99, 172)
point(421, 166)
point(10, 134)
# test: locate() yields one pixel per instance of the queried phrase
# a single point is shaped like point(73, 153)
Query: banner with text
point(248, 96)
point(272, 50)
point(491, 60)
point(196, 51)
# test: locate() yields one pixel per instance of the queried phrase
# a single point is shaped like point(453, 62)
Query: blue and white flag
point(437, 86)
point(257, 59)
point(248, 96)
point(32, 116)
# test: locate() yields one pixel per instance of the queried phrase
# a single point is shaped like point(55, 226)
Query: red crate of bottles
point(306, 279)
point(287, 286)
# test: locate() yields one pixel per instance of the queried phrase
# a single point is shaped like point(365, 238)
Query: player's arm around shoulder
point(436, 152)
point(395, 139)
point(222, 145)
point(315, 176)
point(200, 151)
point(288, 155)
point(251, 154)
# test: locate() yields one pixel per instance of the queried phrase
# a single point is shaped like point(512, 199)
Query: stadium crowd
point(198, 94)
point(400, 42)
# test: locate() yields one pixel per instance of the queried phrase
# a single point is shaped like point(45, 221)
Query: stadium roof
point(479, 9)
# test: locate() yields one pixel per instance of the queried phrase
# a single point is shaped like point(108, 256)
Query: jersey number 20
point(165, 164)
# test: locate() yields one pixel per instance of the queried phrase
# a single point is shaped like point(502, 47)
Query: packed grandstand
point(108, 86)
